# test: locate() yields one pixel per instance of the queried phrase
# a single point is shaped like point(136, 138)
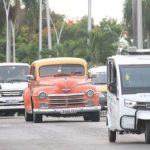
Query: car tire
point(147, 132)
point(95, 116)
point(86, 117)
point(111, 135)
point(37, 118)
point(28, 117)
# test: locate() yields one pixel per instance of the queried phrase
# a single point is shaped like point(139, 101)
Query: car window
point(72, 69)
point(10, 73)
point(100, 78)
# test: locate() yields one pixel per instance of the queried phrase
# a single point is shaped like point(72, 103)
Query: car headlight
point(129, 103)
point(42, 95)
point(90, 93)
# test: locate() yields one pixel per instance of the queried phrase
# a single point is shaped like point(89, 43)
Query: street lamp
point(58, 35)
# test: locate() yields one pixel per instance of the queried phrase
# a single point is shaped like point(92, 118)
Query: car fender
point(27, 99)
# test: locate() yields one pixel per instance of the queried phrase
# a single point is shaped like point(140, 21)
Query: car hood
point(65, 85)
point(139, 97)
point(13, 86)
point(65, 81)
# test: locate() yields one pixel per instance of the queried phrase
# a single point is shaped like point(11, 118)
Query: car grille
point(142, 106)
point(66, 100)
point(11, 93)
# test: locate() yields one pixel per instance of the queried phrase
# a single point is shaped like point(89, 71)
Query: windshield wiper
point(2, 81)
point(76, 73)
point(16, 80)
point(61, 74)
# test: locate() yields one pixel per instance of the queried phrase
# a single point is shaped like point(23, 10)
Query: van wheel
point(37, 118)
point(95, 116)
point(28, 117)
point(147, 132)
point(111, 135)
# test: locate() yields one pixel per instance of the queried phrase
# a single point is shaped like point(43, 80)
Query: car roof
point(60, 60)
point(13, 64)
point(98, 69)
point(130, 59)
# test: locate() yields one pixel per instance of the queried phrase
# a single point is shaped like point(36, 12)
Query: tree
point(146, 19)
point(104, 40)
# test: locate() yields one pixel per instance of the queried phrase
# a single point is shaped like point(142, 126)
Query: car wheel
point(147, 132)
point(28, 117)
point(86, 117)
point(95, 116)
point(111, 135)
point(37, 118)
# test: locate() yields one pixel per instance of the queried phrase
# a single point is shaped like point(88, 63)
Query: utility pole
point(89, 16)
point(139, 25)
point(8, 50)
point(134, 21)
point(40, 28)
point(13, 40)
point(89, 21)
point(48, 26)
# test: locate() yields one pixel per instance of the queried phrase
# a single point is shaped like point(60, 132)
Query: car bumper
point(67, 110)
point(11, 107)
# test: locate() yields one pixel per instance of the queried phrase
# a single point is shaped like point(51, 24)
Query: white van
point(13, 81)
point(128, 94)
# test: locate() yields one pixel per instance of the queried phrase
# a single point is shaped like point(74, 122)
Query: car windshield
point(61, 69)
point(13, 73)
point(135, 79)
point(100, 78)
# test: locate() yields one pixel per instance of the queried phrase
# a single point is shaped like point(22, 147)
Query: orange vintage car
point(60, 87)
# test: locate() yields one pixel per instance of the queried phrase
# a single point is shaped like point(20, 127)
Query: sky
point(73, 9)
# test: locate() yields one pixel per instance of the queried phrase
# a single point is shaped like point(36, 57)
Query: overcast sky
point(79, 8)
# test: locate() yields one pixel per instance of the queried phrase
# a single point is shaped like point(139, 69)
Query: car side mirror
point(112, 87)
point(30, 77)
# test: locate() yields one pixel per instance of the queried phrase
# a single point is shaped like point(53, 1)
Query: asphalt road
point(63, 134)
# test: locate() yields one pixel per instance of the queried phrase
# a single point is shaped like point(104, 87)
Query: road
point(62, 134)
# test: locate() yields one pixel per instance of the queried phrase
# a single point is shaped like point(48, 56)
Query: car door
point(112, 98)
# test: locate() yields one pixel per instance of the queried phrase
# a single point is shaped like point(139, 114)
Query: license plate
point(68, 111)
point(11, 101)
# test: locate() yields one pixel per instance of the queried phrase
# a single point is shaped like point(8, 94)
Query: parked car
point(60, 87)
point(100, 81)
point(13, 81)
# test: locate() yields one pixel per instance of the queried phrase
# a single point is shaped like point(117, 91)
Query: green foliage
point(103, 41)
point(75, 41)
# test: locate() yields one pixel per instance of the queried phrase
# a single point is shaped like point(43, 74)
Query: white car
point(13, 81)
